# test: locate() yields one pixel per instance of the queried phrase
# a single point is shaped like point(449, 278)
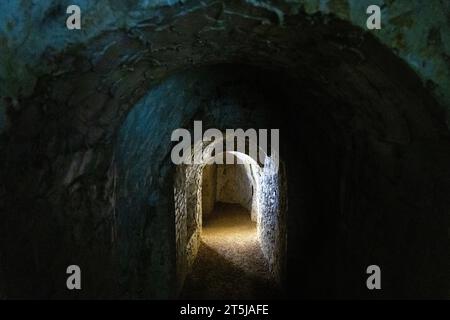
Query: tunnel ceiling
point(420, 35)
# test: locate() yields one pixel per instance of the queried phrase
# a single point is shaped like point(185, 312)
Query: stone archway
point(268, 206)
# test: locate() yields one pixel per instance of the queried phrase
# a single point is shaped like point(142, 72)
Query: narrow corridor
point(230, 263)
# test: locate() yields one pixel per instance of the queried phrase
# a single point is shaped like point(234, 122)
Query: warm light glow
point(232, 234)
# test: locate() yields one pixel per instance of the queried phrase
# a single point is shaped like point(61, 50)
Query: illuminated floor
point(230, 263)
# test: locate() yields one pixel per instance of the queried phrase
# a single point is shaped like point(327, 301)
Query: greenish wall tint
point(418, 31)
point(32, 33)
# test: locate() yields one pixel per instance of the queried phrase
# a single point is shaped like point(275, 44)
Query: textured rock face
point(188, 214)
point(33, 33)
point(86, 176)
point(235, 186)
point(209, 189)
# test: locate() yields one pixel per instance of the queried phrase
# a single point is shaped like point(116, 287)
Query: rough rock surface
point(86, 176)
point(33, 34)
point(209, 189)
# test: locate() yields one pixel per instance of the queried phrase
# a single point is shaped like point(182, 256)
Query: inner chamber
point(240, 242)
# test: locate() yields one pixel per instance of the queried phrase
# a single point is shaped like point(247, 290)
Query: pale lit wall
point(375, 154)
point(272, 228)
point(234, 185)
point(262, 191)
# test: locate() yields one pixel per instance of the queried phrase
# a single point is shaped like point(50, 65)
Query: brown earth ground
point(230, 263)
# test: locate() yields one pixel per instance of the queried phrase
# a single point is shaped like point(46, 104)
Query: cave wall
point(32, 34)
point(234, 185)
point(209, 189)
point(2, 119)
point(143, 179)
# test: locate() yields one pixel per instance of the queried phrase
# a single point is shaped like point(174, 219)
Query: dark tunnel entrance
point(87, 176)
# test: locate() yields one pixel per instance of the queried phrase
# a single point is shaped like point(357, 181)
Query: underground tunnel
point(235, 224)
point(87, 177)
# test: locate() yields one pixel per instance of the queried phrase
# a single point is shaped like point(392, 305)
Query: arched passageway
point(232, 217)
point(87, 176)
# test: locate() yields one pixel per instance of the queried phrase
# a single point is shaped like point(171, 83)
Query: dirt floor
point(230, 263)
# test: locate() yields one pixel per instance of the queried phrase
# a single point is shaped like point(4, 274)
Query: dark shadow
point(214, 277)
